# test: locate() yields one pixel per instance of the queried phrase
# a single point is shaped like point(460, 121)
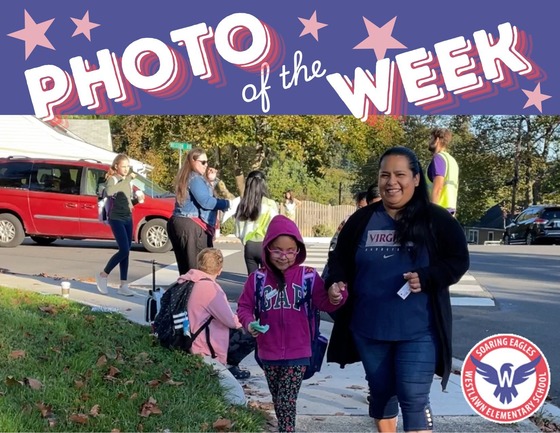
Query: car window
point(529, 213)
point(550, 214)
point(150, 188)
point(15, 174)
point(63, 179)
point(94, 181)
point(523, 216)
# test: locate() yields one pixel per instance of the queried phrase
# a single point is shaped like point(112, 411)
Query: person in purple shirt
point(442, 175)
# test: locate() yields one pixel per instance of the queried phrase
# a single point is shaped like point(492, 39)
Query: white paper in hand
point(404, 291)
point(232, 209)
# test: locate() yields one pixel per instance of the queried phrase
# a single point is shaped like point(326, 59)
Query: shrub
point(322, 231)
point(228, 228)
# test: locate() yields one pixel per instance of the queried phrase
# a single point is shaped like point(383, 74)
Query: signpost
point(181, 147)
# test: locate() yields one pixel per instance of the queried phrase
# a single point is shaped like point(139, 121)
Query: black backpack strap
point(205, 327)
point(308, 279)
point(260, 276)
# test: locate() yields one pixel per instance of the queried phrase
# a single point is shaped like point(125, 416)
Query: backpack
point(171, 325)
point(319, 342)
point(104, 205)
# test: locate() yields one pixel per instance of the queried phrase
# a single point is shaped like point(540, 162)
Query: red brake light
point(540, 221)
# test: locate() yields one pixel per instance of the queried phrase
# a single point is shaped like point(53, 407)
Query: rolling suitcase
point(153, 301)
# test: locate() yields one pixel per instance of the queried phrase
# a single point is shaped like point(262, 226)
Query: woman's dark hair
point(359, 196)
point(255, 189)
point(413, 222)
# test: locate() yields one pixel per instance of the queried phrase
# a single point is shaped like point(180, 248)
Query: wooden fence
point(311, 214)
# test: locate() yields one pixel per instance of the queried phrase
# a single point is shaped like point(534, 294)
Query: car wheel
point(507, 240)
point(43, 240)
point(11, 231)
point(154, 236)
point(530, 238)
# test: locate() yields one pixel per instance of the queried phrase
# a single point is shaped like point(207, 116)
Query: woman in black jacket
point(398, 258)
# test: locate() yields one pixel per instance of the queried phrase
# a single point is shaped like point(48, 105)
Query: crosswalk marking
point(317, 255)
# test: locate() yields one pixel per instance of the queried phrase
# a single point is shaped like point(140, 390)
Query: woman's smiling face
point(396, 183)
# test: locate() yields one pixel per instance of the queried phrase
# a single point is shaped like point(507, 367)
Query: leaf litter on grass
point(66, 357)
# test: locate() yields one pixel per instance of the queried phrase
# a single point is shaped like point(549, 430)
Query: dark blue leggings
point(122, 230)
point(400, 373)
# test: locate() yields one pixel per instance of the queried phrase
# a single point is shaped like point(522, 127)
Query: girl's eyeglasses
point(278, 254)
point(203, 162)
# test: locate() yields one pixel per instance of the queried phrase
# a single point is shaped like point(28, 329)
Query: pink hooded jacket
point(209, 299)
point(289, 335)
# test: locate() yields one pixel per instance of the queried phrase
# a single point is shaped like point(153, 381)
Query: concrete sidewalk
point(334, 400)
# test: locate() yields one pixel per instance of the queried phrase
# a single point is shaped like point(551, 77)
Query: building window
point(473, 236)
point(490, 236)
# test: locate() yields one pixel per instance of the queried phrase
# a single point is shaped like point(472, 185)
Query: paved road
point(525, 283)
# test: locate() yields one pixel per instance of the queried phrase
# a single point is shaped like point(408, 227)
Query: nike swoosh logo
point(386, 257)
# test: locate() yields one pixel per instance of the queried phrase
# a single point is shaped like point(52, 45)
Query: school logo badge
point(505, 378)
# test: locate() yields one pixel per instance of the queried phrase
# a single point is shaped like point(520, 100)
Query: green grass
point(73, 353)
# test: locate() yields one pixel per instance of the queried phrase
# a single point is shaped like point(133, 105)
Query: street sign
point(180, 146)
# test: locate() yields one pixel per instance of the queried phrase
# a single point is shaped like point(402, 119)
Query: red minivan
point(49, 199)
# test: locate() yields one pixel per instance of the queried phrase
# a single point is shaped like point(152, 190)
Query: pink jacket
point(289, 335)
point(208, 299)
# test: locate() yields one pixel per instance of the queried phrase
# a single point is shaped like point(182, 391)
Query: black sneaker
point(238, 373)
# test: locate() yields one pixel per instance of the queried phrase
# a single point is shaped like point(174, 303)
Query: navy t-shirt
point(379, 312)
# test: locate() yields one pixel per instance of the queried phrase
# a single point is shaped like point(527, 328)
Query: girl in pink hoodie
point(208, 299)
point(286, 347)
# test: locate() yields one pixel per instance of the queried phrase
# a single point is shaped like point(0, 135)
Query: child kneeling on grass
point(207, 300)
point(286, 347)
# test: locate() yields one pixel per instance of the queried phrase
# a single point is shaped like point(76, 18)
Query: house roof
point(94, 131)
point(492, 219)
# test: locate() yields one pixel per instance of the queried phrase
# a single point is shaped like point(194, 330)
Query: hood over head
point(281, 225)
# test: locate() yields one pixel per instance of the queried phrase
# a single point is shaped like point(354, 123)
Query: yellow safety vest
point(448, 198)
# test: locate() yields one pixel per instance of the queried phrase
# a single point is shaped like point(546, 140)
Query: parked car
point(534, 225)
point(50, 199)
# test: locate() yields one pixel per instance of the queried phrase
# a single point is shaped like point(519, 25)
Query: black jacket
point(449, 260)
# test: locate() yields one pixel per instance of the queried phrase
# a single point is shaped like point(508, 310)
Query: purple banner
point(292, 57)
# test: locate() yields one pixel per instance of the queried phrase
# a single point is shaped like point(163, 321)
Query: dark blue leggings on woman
point(122, 230)
point(400, 373)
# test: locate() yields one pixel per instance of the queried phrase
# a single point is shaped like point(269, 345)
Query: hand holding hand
point(413, 281)
point(335, 292)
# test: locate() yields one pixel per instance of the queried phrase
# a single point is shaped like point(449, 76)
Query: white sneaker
point(125, 291)
point(101, 284)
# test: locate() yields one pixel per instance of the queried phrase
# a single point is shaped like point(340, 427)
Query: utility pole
point(515, 179)
point(339, 193)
